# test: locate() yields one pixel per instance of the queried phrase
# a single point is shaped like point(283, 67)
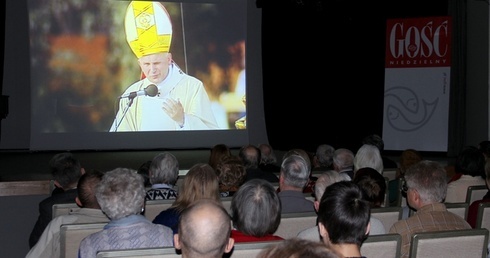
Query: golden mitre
point(148, 28)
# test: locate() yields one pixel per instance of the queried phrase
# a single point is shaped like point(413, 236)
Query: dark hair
point(376, 140)
point(298, 248)
point(66, 169)
point(231, 172)
point(344, 213)
point(256, 208)
point(250, 156)
point(470, 161)
point(216, 153)
point(86, 188)
point(373, 185)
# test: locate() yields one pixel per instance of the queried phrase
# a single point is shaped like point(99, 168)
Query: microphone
point(151, 90)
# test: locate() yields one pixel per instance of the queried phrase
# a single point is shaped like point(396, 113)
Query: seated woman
point(200, 182)
point(121, 196)
point(231, 175)
point(255, 212)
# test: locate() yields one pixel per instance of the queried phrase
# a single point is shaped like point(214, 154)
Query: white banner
point(417, 79)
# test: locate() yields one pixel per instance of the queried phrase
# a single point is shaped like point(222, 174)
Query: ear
point(79, 203)
point(230, 244)
point(368, 228)
point(57, 184)
point(82, 171)
point(323, 232)
point(317, 205)
point(177, 242)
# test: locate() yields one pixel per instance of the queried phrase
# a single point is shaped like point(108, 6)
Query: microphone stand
point(116, 126)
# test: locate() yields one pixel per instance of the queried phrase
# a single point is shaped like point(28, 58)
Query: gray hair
point(295, 171)
point(121, 193)
point(343, 158)
point(325, 179)
point(164, 169)
point(368, 156)
point(324, 154)
point(429, 178)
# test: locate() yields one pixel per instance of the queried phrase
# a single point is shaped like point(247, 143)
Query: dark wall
point(323, 65)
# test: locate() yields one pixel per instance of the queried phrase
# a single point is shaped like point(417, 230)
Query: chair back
point(249, 249)
point(154, 207)
point(161, 252)
point(483, 216)
point(387, 215)
point(475, 192)
point(450, 243)
point(72, 234)
point(293, 223)
point(458, 208)
point(390, 173)
point(63, 208)
point(382, 246)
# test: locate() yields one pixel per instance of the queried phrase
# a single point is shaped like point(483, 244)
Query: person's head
point(164, 169)
point(425, 183)
point(144, 171)
point(343, 217)
point(375, 140)
point(66, 170)
point(294, 173)
point(470, 161)
point(324, 155)
point(373, 184)
point(121, 193)
point(204, 230)
point(256, 208)
point(368, 156)
point(267, 154)
point(300, 152)
point(151, 46)
point(200, 182)
point(216, 153)
point(250, 156)
point(298, 248)
point(231, 173)
point(408, 157)
point(86, 189)
point(343, 159)
point(325, 179)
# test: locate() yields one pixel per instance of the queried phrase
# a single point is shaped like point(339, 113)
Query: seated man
point(204, 230)
point(49, 244)
point(425, 187)
point(293, 179)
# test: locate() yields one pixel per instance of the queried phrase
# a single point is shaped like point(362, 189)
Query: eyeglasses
point(404, 187)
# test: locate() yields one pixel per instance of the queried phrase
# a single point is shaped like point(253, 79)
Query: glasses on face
point(404, 187)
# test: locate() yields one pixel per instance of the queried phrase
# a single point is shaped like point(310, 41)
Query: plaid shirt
point(431, 217)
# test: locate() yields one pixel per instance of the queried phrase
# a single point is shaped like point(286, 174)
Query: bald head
point(204, 230)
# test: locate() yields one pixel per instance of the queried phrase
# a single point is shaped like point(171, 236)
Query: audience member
point(305, 155)
point(251, 156)
point(473, 208)
point(66, 170)
point(324, 180)
point(121, 196)
point(470, 170)
point(323, 158)
point(49, 244)
point(426, 186)
point(204, 230)
point(368, 156)
point(343, 218)
point(163, 172)
point(292, 180)
point(298, 248)
point(231, 175)
point(343, 163)
point(216, 153)
point(408, 157)
point(377, 141)
point(200, 182)
point(143, 170)
point(255, 212)
point(268, 159)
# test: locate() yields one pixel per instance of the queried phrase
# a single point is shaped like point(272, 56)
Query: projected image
point(120, 66)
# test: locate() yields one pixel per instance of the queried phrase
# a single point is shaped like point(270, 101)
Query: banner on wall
point(417, 80)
